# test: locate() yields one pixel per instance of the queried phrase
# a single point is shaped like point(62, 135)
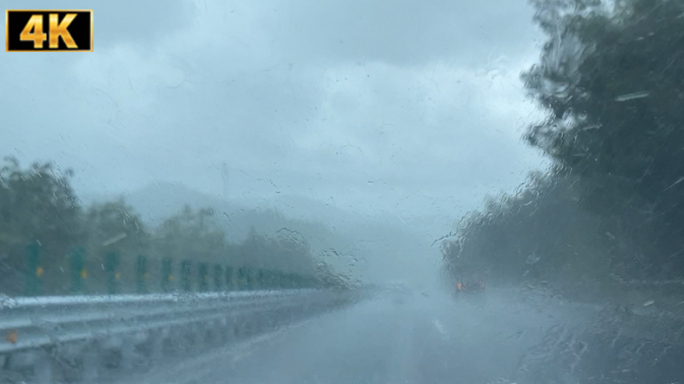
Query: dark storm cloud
point(401, 109)
point(253, 88)
point(402, 32)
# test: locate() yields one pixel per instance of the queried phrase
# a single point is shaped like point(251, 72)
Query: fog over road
point(402, 337)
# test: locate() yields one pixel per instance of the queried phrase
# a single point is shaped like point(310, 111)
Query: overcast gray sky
point(413, 108)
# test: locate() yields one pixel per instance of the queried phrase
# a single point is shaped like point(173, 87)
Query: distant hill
point(360, 245)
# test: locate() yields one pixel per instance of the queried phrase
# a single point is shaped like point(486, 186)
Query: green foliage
point(287, 252)
point(192, 235)
point(612, 80)
point(114, 226)
point(326, 277)
point(536, 235)
point(36, 204)
point(107, 247)
point(617, 123)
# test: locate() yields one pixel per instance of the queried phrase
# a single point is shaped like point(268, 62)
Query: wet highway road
point(395, 337)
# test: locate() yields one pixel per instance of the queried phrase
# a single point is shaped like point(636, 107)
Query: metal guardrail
point(38, 331)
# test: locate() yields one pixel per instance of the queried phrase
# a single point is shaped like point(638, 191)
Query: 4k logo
point(44, 30)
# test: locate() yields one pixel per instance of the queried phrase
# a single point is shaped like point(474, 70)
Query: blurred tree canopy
point(38, 205)
point(191, 234)
point(611, 77)
point(114, 226)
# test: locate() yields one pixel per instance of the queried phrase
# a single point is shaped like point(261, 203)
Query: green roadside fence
point(203, 277)
point(78, 270)
point(33, 269)
point(192, 276)
point(141, 274)
point(167, 277)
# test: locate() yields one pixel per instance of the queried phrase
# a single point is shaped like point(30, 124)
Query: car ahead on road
point(471, 286)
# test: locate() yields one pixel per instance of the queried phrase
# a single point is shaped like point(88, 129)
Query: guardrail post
point(218, 278)
point(127, 352)
point(157, 340)
point(141, 274)
point(78, 271)
point(90, 367)
point(113, 275)
point(194, 338)
point(224, 331)
point(203, 275)
point(33, 269)
point(167, 276)
point(42, 368)
point(186, 276)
